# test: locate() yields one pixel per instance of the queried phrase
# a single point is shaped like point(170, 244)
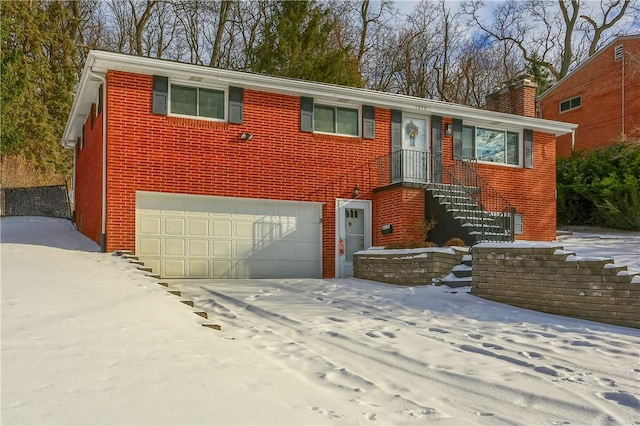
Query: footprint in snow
point(492, 346)
point(531, 355)
point(623, 398)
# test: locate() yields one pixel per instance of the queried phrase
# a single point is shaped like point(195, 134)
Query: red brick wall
point(516, 97)
point(599, 83)
point(401, 207)
point(88, 185)
point(531, 191)
point(149, 152)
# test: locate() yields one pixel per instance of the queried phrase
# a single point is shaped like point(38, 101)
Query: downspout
point(73, 184)
point(103, 229)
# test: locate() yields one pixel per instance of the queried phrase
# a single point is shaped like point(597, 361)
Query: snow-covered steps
point(460, 275)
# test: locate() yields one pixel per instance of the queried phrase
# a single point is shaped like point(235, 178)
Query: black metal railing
point(470, 197)
point(473, 200)
point(404, 166)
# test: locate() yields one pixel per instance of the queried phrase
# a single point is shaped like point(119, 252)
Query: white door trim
point(341, 204)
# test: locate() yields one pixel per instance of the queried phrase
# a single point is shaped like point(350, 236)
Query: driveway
point(415, 354)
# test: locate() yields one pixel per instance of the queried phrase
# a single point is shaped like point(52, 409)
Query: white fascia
point(102, 62)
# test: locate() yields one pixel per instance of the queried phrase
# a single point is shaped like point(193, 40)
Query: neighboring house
point(204, 172)
point(602, 96)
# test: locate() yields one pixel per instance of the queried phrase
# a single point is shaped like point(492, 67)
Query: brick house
point(602, 95)
point(204, 172)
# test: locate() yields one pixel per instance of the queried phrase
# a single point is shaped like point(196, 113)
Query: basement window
point(197, 102)
point(570, 104)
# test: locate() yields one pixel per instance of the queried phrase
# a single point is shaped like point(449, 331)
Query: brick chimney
point(516, 96)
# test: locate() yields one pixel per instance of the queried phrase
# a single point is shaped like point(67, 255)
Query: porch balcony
point(404, 165)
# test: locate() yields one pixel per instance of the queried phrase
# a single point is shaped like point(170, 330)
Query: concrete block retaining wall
point(406, 267)
point(544, 277)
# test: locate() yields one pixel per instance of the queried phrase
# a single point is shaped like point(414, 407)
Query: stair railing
point(490, 197)
point(457, 184)
point(491, 210)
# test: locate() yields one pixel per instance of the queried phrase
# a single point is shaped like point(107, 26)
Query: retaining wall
point(50, 201)
point(544, 277)
point(406, 267)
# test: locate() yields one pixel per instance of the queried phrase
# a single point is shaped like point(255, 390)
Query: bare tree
point(223, 17)
point(158, 36)
point(553, 34)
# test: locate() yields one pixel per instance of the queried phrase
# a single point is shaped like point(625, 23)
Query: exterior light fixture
point(447, 129)
point(246, 136)
point(356, 192)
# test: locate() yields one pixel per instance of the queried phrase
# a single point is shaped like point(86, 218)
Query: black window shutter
point(160, 94)
point(236, 95)
point(436, 149)
point(306, 114)
point(528, 148)
point(368, 122)
point(396, 130)
point(457, 138)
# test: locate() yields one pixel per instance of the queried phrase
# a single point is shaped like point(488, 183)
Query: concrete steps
point(134, 260)
point(460, 275)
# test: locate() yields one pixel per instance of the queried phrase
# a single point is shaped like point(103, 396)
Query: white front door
point(414, 147)
point(353, 225)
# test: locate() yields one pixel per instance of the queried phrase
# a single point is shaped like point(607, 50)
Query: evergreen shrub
point(601, 187)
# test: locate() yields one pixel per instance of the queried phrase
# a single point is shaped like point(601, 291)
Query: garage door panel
point(175, 226)
point(149, 246)
point(174, 268)
point(154, 264)
point(222, 228)
point(173, 247)
point(224, 237)
point(307, 251)
point(243, 229)
point(222, 268)
point(222, 249)
point(198, 248)
point(198, 268)
point(243, 249)
point(149, 225)
point(198, 227)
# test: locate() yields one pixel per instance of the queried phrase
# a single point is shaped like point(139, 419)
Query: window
point(340, 120)
point(570, 104)
point(491, 145)
point(197, 101)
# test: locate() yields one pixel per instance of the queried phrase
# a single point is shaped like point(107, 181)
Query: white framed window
point(336, 119)
point(570, 104)
point(195, 101)
point(491, 145)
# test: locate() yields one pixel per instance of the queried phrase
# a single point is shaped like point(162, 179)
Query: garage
point(194, 236)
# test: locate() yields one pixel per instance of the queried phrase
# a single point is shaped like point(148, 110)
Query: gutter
point(103, 228)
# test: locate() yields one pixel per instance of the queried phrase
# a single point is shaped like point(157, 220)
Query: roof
point(587, 62)
point(98, 63)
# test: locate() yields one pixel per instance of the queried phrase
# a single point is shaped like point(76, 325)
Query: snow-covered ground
point(89, 339)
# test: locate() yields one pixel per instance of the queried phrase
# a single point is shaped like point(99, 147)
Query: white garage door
point(192, 236)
